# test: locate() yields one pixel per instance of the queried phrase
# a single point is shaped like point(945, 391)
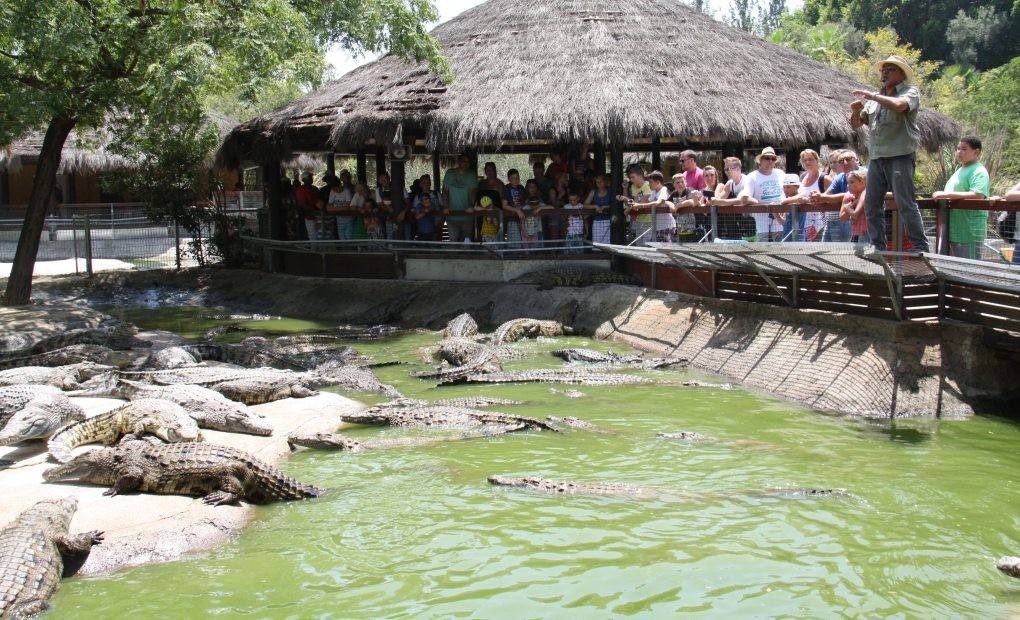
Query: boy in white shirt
point(575, 223)
point(665, 223)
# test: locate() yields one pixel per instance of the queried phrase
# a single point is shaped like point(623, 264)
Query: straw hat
point(767, 151)
point(791, 179)
point(898, 61)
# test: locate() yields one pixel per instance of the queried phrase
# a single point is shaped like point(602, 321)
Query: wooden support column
point(437, 171)
point(656, 154)
point(362, 171)
point(72, 190)
point(600, 157)
point(331, 164)
point(618, 229)
point(380, 161)
point(274, 197)
point(5, 187)
point(398, 185)
point(473, 156)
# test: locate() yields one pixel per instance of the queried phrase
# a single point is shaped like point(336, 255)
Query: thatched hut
point(84, 160)
point(620, 75)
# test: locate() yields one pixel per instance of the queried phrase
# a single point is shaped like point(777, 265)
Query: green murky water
point(418, 532)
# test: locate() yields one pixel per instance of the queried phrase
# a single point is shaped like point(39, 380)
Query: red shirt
point(306, 197)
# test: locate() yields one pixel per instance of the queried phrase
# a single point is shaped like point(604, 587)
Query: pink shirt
point(695, 178)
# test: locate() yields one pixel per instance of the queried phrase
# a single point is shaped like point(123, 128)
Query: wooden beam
point(331, 164)
point(274, 197)
point(398, 184)
point(437, 179)
point(362, 171)
point(618, 230)
point(380, 161)
point(656, 154)
point(600, 157)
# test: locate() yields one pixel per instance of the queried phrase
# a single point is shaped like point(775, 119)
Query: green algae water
point(418, 532)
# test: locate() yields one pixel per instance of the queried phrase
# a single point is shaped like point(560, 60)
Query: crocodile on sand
point(208, 408)
point(40, 418)
point(217, 474)
point(517, 329)
point(336, 441)
point(251, 386)
point(162, 418)
point(69, 377)
point(13, 398)
point(36, 550)
point(110, 333)
point(575, 276)
point(71, 354)
point(250, 353)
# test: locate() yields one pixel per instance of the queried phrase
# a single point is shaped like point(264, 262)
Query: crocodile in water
point(517, 329)
point(40, 418)
point(575, 276)
point(336, 441)
point(609, 360)
point(69, 377)
point(462, 326)
point(250, 353)
point(36, 550)
point(346, 376)
point(572, 376)
point(418, 416)
point(217, 474)
point(569, 487)
point(1009, 565)
point(162, 418)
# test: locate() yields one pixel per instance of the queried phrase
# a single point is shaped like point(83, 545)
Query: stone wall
point(833, 362)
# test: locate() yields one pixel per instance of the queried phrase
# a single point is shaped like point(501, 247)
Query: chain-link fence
point(87, 238)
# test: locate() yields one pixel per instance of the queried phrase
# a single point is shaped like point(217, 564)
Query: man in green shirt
point(967, 229)
point(891, 116)
point(459, 188)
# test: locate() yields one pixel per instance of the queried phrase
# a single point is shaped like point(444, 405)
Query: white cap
point(791, 179)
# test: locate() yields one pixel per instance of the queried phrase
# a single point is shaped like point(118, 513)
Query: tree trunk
point(19, 285)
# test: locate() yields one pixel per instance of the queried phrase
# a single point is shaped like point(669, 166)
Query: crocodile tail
point(100, 428)
point(275, 485)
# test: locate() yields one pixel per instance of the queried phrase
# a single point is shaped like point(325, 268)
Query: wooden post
point(618, 229)
point(437, 171)
point(274, 197)
point(362, 164)
point(473, 156)
point(600, 157)
point(656, 155)
point(380, 161)
point(72, 191)
point(331, 164)
point(398, 185)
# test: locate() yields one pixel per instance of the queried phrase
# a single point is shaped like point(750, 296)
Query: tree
point(74, 63)
point(974, 39)
point(742, 15)
point(771, 16)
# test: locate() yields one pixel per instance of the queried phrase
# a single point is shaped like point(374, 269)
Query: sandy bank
point(157, 528)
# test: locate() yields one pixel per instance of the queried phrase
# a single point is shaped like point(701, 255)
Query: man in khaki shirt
point(891, 115)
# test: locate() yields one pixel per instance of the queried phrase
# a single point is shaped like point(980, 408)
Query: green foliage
point(922, 24)
point(742, 15)
point(975, 38)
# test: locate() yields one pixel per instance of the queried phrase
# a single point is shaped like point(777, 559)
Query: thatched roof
point(85, 151)
point(576, 70)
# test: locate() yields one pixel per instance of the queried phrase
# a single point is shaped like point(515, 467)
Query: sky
point(343, 61)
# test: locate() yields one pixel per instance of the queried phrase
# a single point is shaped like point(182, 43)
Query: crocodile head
point(248, 422)
point(508, 481)
point(40, 418)
point(95, 466)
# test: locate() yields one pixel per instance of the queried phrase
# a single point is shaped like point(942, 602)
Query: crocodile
point(222, 330)
point(36, 550)
point(609, 360)
point(217, 474)
point(13, 398)
point(208, 408)
point(40, 418)
point(68, 377)
point(336, 441)
point(71, 354)
point(573, 376)
point(311, 351)
point(252, 352)
point(110, 333)
point(251, 386)
point(167, 358)
point(566, 487)
point(568, 393)
point(162, 418)
point(362, 332)
point(474, 402)
point(1009, 565)
point(348, 377)
point(481, 360)
point(516, 329)
point(575, 277)
point(573, 422)
point(462, 326)
point(418, 416)
point(689, 436)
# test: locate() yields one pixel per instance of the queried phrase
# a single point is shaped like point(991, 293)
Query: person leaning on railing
point(967, 228)
point(658, 202)
point(891, 115)
point(837, 229)
point(1013, 196)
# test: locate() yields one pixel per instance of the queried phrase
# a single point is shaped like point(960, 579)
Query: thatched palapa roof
point(86, 151)
point(575, 70)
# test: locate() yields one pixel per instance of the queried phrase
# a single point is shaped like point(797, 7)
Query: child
point(575, 223)
point(425, 218)
point(602, 200)
point(513, 201)
point(373, 222)
point(558, 196)
point(340, 200)
point(531, 213)
point(490, 221)
point(853, 207)
point(638, 191)
point(658, 201)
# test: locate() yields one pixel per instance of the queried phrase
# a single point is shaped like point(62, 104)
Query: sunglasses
point(768, 158)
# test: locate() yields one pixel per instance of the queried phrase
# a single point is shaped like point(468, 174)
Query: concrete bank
point(143, 528)
point(833, 362)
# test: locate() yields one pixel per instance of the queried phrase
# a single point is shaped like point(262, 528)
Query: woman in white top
point(812, 180)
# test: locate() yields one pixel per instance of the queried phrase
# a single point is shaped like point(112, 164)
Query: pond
point(419, 532)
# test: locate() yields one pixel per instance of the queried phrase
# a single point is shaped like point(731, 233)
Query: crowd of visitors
point(835, 200)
